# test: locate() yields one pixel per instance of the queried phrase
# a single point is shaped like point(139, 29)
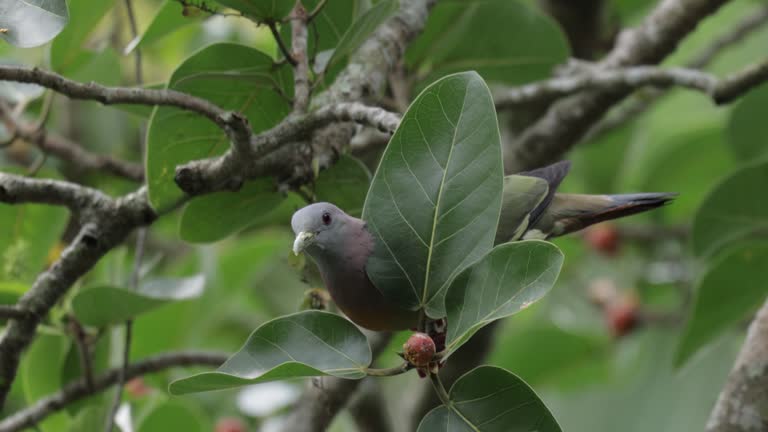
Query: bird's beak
point(303, 239)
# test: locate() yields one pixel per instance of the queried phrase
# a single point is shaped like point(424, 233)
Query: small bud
point(137, 388)
point(230, 424)
point(419, 350)
point(622, 318)
point(315, 299)
point(603, 238)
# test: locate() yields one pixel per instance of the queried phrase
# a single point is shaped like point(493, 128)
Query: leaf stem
point(397, 370)
point(442, 394)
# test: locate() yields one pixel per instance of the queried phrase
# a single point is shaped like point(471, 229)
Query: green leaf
point(362, 28)
point(490, 399)
point(29, 235)
point(519, 44)
point(732, 211)
point(40, 375)
point(345, 184)
point(731, 288)
point(262, 10)
point(67, 54)
point(507, 280)
point(105, 305)
point(168, 18)
point(213, 217)
point(747, 129)
point(173, 414)
point(308, 343)
point(232, 76)
point(31, 23)
point(434, 202)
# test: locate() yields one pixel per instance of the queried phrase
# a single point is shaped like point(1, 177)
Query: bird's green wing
point(521, 195)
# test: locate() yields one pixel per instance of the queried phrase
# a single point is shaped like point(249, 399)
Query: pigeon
point(340, 244)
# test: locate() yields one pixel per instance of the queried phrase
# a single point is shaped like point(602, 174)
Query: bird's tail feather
point(600, 208)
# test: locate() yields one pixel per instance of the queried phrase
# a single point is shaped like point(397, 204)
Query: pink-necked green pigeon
point(340, 244)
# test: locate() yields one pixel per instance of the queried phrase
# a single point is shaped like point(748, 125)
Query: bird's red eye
point(326, 218)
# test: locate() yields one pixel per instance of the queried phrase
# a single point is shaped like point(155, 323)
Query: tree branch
point(642, 101)
point(741, 406)
point(721, 90)
point(301, 83)
point(229, 170)
point(16, 189)
point(77, 390)
point(566, 121)
point(11, 311)
point(69, 151)
point(116, 95)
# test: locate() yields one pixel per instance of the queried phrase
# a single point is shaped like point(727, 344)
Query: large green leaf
point(101, 306)
point(490, 399)
point(232, 76)
point(434, 202)
point(168, 18)
point(67, 54)
point(173, 414)
point(747, 128)
point(507, 280)
point(213, 217)
point(733, 210)
point(732, 287)
point(304, 344)
point(519, 44)
point(31, 23)
point(344, 184)
point(261, 9)
point(361, 29)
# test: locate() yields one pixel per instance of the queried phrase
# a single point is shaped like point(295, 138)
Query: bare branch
point(299, 34)
point(77, 390)
point(566, 121)
point(722, 91)
point(741, 404)
point(229, 170)
point(115, 95)
point(69, 151)
point(647, 97)
point(16, 189)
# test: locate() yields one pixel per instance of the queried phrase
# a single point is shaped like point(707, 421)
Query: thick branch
point(15, 189)
point(568, 120)
point(77, 390)
point(299, 33)
point(743, 403)
point(9, 311)
point(217, 173)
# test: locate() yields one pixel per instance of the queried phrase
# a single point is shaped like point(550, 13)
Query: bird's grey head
point(317, 227)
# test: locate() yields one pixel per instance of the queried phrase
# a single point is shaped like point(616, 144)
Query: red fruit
point(137, 387)
point(230, 424)
point(419, 350)
point(603, 238)
point(622, 318)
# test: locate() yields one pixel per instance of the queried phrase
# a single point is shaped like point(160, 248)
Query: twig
point(316, 11)
point(393, 371)
point(78, 389)
point(741, 404)
point(134, 33)
point(281, 43)
point(300, 55)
